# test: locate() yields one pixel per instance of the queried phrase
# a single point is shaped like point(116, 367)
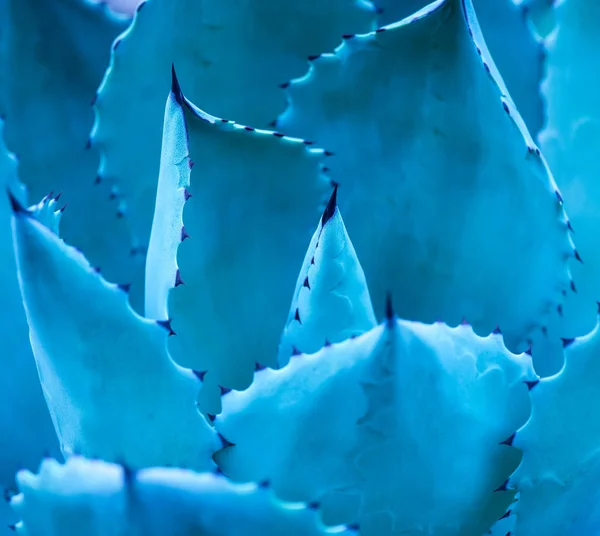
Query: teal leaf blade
point(511, 267)
point(519, 59)
point(331, 301)
point(103, 367)
point(55, 54)
point(400, 417)
point(26, 430)
point(231, 58)
point(248, 208)
point(557, 478)
point(94, 497)
point(570, 141)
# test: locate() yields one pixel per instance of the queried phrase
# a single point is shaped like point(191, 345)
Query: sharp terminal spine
point(330, 208)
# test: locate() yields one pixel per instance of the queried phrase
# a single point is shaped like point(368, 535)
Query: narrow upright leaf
point(331, 302)
point(248, 207)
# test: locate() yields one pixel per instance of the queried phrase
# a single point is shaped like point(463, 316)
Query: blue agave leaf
point(26, 430)
point(518, 57)
point(56, 52)
point(459, 215)
point(111, 387)
point(101, 499)
point(230, 56)
point(331, 302)
point(558, 476)
point(249, 214)
point(570, 141)
point(405, 417)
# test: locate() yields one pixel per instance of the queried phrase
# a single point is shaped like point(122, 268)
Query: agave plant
point(330, 287)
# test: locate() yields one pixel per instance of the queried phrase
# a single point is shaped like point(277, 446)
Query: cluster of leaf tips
point(367, 313)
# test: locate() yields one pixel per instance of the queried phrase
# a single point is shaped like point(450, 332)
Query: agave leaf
point(230, 56)
point(570, 141)
point(56, 52)
point(112, 389)
point(331, 302)
point(413, 125)
point(406, 416)
point(519, 58)
point(251, 210)
point(26, 430)
point(93, 497)
point(558, 476)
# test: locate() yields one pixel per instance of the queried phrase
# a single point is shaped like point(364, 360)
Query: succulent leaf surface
point(519, 59)
point(331, 302)
point(406, 418)
point(231, 58)
point(248, 207)
point(473, 224)
point(26, 430)
point(558, 476)
point(101, 499)
point(112, 389)
point(570, 142)
point(55, 53)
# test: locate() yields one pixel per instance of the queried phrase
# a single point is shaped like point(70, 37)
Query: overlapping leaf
point(448, 200)
point(112, 390)
point(519, 58)
point(55, 53)
point(331, 302)
point(26, 431)
point(398, 428)
point(230, 56)
point(570, 141)
point(557, 479)
point(93, 497)
point(250, 206)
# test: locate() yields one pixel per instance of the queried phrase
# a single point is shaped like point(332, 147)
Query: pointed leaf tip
point(175, 87)
point(225, 442)
point(503, 487)
point(128, 474)
point(331, 206)
point(531, 384)
point(389, 309)
point(200, 374)
point(567, 342)
point(509, 440)
point(16, 205)
point(167, 325)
